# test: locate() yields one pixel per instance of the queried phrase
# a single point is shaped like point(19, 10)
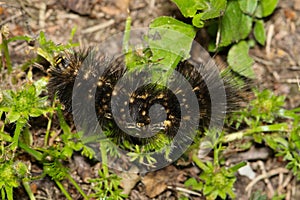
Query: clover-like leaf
point(239, 59)
point(235, 24)
point(248, 7)
point(190, 8)
point(265, 8)
point(259, 32)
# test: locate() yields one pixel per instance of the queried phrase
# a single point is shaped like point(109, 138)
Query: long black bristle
point(84, 69)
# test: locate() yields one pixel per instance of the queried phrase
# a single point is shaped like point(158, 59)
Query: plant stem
point(37, 155)
point(17, 133)
point(216, 154)
point(126, 35)
point(48, 127)
point(6, 54)
point(104, 158)
point(199, 163)
point(126, 38)
point(259, 129)
point(9, 192)
point(63, 190)
point(28, 190)
point(77, 187)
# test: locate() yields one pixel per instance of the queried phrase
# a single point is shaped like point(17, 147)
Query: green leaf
point(35, 112)
point(236, 167)
point(259, 32)
point(248, 7)
point(235, 25)
point(189, 8)
point(239, 59)
point(198, 21)
point(19, 37)
point(78, 146)
point(5, 137)
point(170, 41)
point(266, 8)
point(67, 151)
point(40, 86)
point(215, 9)
point(171, 35)
point(13, 116)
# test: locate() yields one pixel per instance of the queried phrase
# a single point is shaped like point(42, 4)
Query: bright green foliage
point(54, 158)
point(21, 105)
point(230, 22)
point(170, 39)
point(10, 175)
point(248, 7)
point(288, 145)
point(266, 106)
point(106, 186)
point(215, 180)
point(141, 156)
point(261, 117)
point(48, 48)
point(56, 170)
point(235, 25)
point(239, 59)
point(265, 8)
point(263, 109)
point(259, 32)
point(24, 103)
point(201, 10)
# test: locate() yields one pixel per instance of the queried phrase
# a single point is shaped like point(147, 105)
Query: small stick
point(269, 40)
point(263, 176)
point(185, 190)
point(98, 27)
point(267, 181)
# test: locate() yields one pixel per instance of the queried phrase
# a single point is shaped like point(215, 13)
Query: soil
point(277, 67)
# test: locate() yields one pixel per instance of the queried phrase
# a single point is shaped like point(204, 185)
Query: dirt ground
point(277, 67)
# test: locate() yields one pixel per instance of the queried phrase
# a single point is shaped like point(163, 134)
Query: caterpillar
point(154, 114)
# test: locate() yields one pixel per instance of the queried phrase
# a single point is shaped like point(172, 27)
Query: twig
point(98, 27)
point(269, 40)
point(263, 176)
point(151, 5)
point(11, 18)
point(267, 181)
point(185, 190)
point(263, 61)
point(286, 182)
point(291, 80)
point(42, 14)
point(21, 3)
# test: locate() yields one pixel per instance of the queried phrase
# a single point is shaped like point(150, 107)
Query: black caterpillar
point(99, 77)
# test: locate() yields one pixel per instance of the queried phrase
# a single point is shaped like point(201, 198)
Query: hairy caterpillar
point(151, 104)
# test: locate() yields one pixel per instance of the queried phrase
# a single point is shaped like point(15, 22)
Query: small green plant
point(48, 49)
point(53, 157)
point(215, 180)
point(11, 174)
point(4, 49)
point(20, 105)
point(263, 110)
point(268, 122)
point(106, 186)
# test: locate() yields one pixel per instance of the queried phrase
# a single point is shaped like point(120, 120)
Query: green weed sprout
point(215, 180)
